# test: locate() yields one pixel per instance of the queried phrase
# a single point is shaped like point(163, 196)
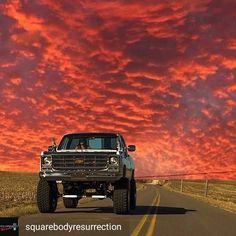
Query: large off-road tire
point(121, 197)
point(132, 194)
point(47, 196)
point(70, 202)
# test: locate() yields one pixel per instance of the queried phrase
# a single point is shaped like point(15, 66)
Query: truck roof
point(93, 134)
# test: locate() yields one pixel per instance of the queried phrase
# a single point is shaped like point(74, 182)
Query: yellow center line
point(154, 219)
point(144, 218)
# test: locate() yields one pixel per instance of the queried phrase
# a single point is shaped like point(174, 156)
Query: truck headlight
point(114, 161)
point(47, 161)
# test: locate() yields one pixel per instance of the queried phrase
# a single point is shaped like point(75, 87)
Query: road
point(159, 212)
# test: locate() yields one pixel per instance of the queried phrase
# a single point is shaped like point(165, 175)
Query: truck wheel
point(121, 198)
point(132, 194)
point(70, 202)
point(47, 196)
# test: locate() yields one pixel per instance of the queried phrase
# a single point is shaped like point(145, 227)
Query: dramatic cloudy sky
point(162, 73)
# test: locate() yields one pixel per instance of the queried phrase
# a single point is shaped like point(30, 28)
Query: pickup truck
point(95, 165)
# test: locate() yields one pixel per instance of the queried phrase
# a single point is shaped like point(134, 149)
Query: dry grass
point(17, 193)
point(221, 194)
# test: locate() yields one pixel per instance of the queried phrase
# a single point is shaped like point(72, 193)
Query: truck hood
point(89, 151)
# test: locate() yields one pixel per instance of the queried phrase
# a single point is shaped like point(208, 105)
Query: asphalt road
point(159, 212)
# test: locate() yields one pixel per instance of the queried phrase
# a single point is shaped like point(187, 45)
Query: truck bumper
point(80, 176)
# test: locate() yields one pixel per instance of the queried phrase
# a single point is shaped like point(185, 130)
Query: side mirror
point(52, 148)
point(53, 141)
point(131, 148)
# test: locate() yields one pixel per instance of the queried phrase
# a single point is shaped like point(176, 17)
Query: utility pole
point(181, 185)
point(206, 187)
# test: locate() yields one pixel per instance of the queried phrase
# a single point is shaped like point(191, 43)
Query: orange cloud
point(162, 74)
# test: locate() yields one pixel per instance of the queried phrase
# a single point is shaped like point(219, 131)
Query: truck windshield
point(74, 142)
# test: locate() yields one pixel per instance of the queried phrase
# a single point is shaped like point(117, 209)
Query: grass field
point(220, 193)
point(18, 194)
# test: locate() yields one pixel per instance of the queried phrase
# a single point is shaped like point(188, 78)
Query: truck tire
point(121, 198)
point(132, 194)
point(47, 196)
point(70, 202)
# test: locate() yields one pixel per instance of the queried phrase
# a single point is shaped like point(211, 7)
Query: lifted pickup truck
point(95, 165)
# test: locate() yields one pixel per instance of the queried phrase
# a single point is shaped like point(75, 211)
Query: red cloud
point(162, 74)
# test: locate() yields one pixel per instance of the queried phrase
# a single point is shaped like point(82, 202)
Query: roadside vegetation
point(221, 194)
point(17, 193)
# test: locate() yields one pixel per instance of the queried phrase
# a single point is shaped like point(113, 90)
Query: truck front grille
point(79, 162)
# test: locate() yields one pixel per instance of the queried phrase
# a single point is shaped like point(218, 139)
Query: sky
point(161, 73)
